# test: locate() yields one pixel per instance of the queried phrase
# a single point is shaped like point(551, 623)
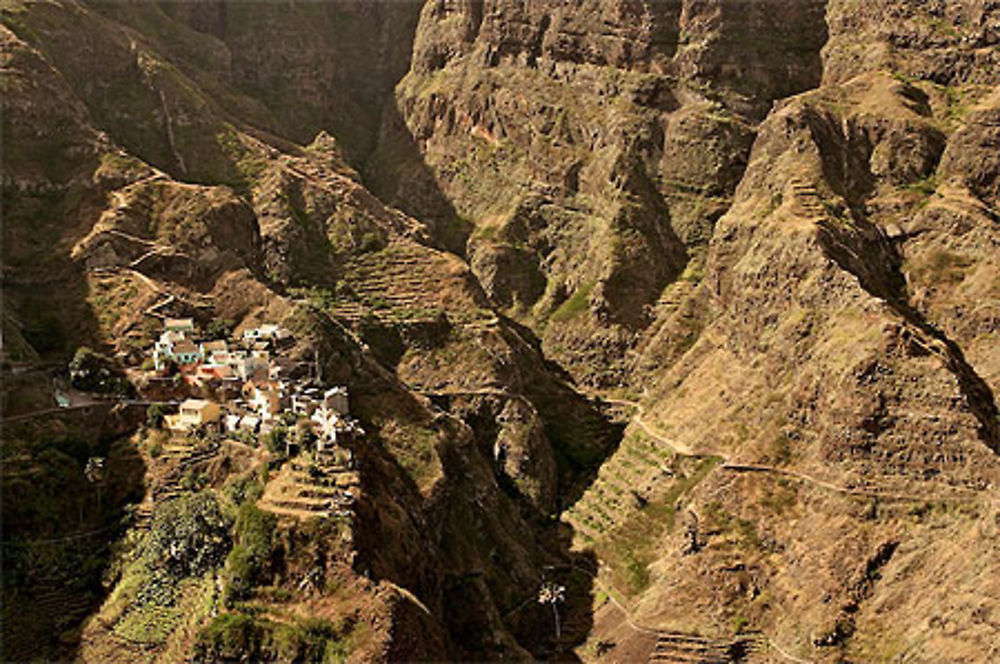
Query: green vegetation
point(939, 266)
point(155, 415)
point(242, 637)
point(629, 548)
point(174, 562)
point(371, 242)
point(250, 163)
point(744, 530)
point(93, 372)
point(575, 305)
point(274, 440)
point(148, 625)
point(780, 452)
point(780, 497)
point(219, 329)
point(925, 186)
point(248, 562)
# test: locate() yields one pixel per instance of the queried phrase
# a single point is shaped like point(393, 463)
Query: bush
point(219, 329)
point(241, 637)
point(93, 372)
point(305, 435)
point(155, 415)
point(229, 637)
point(188, 536)
point(243, 489)
point(370, 242)
point(274, 441)
point(248, 564)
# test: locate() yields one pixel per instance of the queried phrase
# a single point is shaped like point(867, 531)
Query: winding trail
point(736, 467)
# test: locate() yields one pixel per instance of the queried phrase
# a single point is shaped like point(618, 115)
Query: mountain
point(690, 308)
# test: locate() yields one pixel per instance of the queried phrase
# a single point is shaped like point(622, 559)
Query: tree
point(552, 594)
point(155, 415)
point(219, 329)
point(274, 441)
point(96, 472)
point(305, 435)
point(93, 372)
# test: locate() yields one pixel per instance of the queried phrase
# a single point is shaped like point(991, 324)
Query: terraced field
point(303, 489)
point(632, 503)
point(405, 282)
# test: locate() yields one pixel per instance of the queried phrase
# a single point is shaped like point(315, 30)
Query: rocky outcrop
point(593, 121)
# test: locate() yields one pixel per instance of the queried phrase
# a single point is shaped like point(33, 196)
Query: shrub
point(274, 441)
point(93, 372)
point(155, 415)
point(241, 637)
point(575, 305)
point(243, 489)
point(248, 563)
point(219, 329)
point(370, 242)
point(188, 536)
point(229, 637)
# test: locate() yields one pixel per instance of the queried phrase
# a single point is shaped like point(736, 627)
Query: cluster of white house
point(214, 359)
point(260, 397)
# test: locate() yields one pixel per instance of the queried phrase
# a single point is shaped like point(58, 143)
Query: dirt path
point(733, 466)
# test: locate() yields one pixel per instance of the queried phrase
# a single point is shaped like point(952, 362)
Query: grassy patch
point(575, 305)
point(243, 637)
point(925, 186)
point(939, 266)
point(740, 530)
point(632, 546)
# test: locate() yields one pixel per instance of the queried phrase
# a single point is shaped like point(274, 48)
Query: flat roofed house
point(267, 403)
point(304, 404)
point(186, 352)
point(232, 422)
point(214, 372)
point(265, 398)
point(194, 413)
point(212, 347)
point(336, 400)
point(185, 325)
point(264, 331)
point(327, 421)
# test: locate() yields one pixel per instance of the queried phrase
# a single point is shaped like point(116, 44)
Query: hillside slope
point(689, 306)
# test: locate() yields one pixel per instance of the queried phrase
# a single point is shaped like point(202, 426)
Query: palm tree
point(95, 473)
point(552, 594)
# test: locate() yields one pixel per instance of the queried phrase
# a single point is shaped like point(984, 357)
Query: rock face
point(592, 146)
point(701, 296)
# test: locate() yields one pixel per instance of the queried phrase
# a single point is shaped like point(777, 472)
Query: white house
point(326, 422)
point(174, 345)
point(336, 400)
point(266, 398)
point(265, 331)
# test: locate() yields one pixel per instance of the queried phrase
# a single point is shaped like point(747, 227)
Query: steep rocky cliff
point(692, 307)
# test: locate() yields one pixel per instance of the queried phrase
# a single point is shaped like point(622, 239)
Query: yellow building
point(194, 413)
